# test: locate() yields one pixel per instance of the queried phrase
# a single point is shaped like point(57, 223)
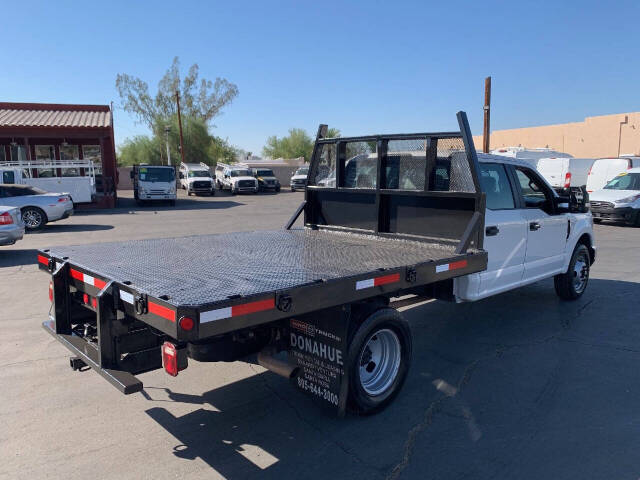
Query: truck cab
point(153, 183)
point(237, 178)
point(531, 232)
point(196, 178)
point(266, 179)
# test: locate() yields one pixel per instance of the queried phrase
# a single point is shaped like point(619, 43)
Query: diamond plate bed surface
point(210, 268)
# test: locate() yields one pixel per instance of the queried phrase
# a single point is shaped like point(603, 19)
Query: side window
point(8, 177)
point(495, 183)
point(361, 165)
point(534, 193)
point(405, 165)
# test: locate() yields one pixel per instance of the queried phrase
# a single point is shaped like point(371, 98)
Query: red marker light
point(186, 323)
point(85, 298)
point(170, 358)
point(567, 180)
point(94, 302)
point(51, 291)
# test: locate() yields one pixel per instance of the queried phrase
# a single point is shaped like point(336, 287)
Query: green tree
point(199, 145)
point(297, 144)
point(200, 99)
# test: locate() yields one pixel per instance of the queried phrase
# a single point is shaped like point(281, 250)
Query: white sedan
point(37, 206)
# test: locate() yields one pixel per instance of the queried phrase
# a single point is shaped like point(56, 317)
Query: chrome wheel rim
point(32, 218)
point(379, 362)
point(580, 272)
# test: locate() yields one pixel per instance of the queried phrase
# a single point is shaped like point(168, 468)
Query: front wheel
point(34, 218)
point(378, 361)
point(572, 284)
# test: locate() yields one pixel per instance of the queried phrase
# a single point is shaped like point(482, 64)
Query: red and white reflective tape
point(88, 279)
point(451, 266)
point(43, 260)
point(377, 281)
point(162, 311)
point(237, 310)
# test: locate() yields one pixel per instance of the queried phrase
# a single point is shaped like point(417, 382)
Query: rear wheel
point(379, 359)
point(572, 284)
point(34, 218)
point(597, 220)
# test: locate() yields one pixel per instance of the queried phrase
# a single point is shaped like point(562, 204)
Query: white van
point(565, 172)
point(529, 155)
point(604, 170)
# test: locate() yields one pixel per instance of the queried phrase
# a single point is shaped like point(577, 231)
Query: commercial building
point(60, 132)
point(595, 137)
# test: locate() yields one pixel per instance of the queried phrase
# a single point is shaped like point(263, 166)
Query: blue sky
point(361, 66)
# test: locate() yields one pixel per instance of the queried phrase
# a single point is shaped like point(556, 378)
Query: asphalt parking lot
point(521, 385)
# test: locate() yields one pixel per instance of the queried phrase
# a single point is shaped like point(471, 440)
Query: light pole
point(167, 129)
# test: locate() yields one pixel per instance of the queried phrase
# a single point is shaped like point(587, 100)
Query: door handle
point(533, 226)
point(491, 231)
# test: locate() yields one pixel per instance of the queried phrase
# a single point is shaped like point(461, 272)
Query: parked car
point(11, 225)
point(619, 200)
point(299, 179)
point(564, 172)
point(604, 170)
point(529, 155)
point(196, 178)
point(266, 179)
point(237, 178)
point(37, 206)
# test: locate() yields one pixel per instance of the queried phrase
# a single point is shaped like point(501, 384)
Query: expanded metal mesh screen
point(406, 163)
point(325, 173)
point(409, 164)
point(452, 156)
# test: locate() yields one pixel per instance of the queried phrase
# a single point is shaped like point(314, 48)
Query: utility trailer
point(386, 217)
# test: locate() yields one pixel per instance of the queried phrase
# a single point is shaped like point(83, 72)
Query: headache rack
point(384, 215)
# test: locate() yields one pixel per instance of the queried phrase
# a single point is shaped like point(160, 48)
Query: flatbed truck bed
point(124, 308)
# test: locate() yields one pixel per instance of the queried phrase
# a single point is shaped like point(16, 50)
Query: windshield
point(241, 173)
point(624, 181)
point(199, 173)
point(302, 171)
point(151, 174)
point(265, 173)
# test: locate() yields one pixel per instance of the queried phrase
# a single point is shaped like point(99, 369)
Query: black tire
point(212, 192)
point(172, 203)
point(277, 189)
point(597, 220)
point(361, 399)
point(33, 218)
point(293, 189)
point(566, 284)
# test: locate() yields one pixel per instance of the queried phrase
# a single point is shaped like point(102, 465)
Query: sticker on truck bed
point(318, 346)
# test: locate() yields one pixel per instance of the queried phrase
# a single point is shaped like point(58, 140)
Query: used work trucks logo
point(303, 327)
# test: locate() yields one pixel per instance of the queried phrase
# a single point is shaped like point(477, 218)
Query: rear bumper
point(126, 382)
point(11, 236)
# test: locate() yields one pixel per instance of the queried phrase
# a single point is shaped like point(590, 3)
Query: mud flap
point(319, 346)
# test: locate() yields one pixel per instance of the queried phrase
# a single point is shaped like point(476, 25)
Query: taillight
point(170, 359)
point(94, 302)
point(567, 180)
point(62, 199)
point(6, 218)
point(85, 298)
point(629, 166)
point(590, 168)
point(186, 323)
point(51, 291)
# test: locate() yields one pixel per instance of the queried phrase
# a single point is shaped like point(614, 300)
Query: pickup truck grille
point(246, 183)
point(599, 205)
point(202, 184)
point(299, 182)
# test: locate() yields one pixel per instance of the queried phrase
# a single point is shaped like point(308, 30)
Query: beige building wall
point(595, 137)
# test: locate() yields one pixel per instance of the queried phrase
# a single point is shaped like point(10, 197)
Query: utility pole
point(167, 129)
point(180, 125)
point(487, 114)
